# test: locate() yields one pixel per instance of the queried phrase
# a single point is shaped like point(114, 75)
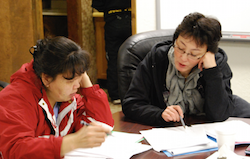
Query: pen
point(84, 123)
point(182, 122)
point(87, 124)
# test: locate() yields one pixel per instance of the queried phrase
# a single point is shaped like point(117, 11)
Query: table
point(125, 125)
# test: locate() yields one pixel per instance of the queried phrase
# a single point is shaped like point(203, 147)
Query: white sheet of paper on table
point(176, 137)
point(242, 129)
point(118, 146)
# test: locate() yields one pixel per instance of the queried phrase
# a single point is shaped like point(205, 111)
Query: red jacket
point(27, 121)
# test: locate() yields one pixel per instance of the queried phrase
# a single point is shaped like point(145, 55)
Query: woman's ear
point(46, 79)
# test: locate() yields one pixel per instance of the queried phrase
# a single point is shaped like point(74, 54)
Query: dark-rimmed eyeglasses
point(189, 55)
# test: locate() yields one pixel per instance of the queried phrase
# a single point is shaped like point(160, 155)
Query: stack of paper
point(178, 140)
point(177, 137)
point(119, 145)
point(197, 138)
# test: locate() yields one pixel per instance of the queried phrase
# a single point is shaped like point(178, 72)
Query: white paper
point(241, 128)
point(178, 151)
point(177, 137)
point(118, 146)
point(177, 141)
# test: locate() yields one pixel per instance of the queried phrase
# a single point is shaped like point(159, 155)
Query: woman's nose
point(76, 84)
point(184, 56)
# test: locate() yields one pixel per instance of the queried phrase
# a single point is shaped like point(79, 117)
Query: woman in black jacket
point(189, 75)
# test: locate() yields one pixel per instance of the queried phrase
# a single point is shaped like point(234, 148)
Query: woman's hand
point(85, 81)
point(207, 61)
point(172, 113)
point(87, 137)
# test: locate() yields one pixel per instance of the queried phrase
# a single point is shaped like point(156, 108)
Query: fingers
point(200, 65)
point(86, 137)
point(106, 128)
point(85, 81)
point(172, 113)
point(91, 136)
point(179, 110)
point(207, 61)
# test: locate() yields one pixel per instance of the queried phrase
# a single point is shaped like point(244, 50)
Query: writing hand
point(86, 137)
point(172, 113)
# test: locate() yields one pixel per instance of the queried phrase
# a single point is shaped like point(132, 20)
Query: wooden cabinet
point(101, 61)
point(55, 18)
point(23, 24)
point(21, 27)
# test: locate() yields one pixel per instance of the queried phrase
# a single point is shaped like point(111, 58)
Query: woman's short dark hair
point(60, 55)
point(203, 30)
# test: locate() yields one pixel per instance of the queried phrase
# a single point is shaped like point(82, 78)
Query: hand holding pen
point(85, 137)
point(92, 123)
point(172, 113)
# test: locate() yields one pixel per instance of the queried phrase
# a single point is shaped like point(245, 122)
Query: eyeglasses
point(189, 55)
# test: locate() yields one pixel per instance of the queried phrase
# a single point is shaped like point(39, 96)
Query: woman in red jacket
point(41, 112)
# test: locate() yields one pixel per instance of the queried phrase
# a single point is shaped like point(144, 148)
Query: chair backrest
point(133, 51)
point(3, 84)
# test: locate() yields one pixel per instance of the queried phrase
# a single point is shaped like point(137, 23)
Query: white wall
point(238, 51)
point(145, 15)
point(232, 14)
point(239, 60)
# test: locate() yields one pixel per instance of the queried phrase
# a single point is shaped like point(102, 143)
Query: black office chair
point(133, 51)
point(3, 84)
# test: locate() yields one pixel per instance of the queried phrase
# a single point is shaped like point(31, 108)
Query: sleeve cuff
point(212, 73)
point(89, 90)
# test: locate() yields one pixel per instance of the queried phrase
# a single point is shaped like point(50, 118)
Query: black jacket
point(144, 102)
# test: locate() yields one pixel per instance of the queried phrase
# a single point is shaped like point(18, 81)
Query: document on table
point(242, 130)
point(119, 145)
point(210, 146)
point(178, 141)
point(175, 138)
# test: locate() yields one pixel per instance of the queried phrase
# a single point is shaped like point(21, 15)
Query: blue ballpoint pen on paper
point(87, 124)
point(182, 122)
